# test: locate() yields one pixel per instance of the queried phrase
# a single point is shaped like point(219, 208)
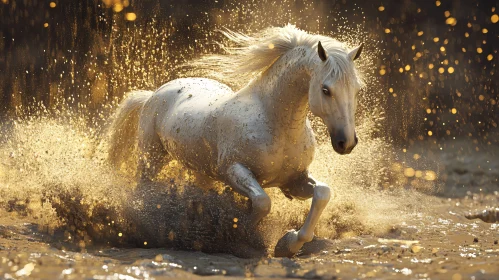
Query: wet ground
point(437, 242)
point(441, 245)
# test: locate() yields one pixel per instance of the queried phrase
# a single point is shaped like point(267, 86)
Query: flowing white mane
point(254, 54)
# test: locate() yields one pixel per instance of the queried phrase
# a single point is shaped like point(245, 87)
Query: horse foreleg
point(244, 182)
point(293, 240)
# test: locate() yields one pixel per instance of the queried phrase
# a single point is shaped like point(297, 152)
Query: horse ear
point(355, 53)
point(321, 51)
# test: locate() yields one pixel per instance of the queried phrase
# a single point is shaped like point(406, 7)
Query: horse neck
point(283, 89)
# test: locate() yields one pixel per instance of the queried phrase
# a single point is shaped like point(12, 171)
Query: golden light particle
point(409, 172)
point(430, 133)
point(447, 14)
point(419, 174)
point(430, 175)
point(437, 3)
point(394, 95)
point(145, 243)
point(485, 31)
point(120, 234)
point(418, 54)
point(130, 16)
point(469, 25)
point(436, 39)
point(382, 72)
point(407, 67)
point(158, 206)
point(490, 57)
point(118, 7)
point(271, 46)
point(441, 70)
point(420, 33)
point(481, 97)
point(479, 50)
point(454, 111)
point(46, 25)
point(390, 90)
point(428, 111)
point(235, 220)
point(413, 47)
point(494, 18)
point(387, 30)
point(463, 49)
point(451, 21)
point(450, 70)
point(234, 225)
point(52, 4)
point(442, 49)
point(466, 34)
point(401, 70)
point(430, 66)
point(381, 8)
point(446, 62)
point(404, 150)
point(416, 156)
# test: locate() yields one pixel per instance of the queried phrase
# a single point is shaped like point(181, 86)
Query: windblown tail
point(123, 129)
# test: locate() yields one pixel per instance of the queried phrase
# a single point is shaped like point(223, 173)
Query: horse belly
point(188, 134)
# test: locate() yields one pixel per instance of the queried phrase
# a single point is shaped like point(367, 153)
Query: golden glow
point(451, 21)
point(409, 172)
point(490, 57)
point(52, 4)
point(436, 39)
point(407, 67)
point(454, 111)
point(450, 70)
point(437, 3)
point(479, 50)
point(387, 30)
point(130, 16)
point(430, 133)
point(494, 18)
point(430, 66)
point(381, 8)
point(441, 70)
point(118, 7)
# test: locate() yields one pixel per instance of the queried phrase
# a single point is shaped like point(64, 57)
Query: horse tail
point(123, 130)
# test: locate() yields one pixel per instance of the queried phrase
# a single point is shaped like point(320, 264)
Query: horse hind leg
point(152, 154)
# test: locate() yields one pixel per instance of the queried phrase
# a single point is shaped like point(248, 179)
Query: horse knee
point(261, 204)
point(322, 194)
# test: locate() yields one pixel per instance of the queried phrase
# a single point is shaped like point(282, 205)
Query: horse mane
point(251, 55)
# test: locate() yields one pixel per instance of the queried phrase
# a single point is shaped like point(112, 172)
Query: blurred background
point(435, 60)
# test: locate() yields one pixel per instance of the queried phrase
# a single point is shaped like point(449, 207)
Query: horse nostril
point(341, 145)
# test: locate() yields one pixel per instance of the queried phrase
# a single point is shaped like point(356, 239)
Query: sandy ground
point(437, 243)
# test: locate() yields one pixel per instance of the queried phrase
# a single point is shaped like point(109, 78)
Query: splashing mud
point(55, 172)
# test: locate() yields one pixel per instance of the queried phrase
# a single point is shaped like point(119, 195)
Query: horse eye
point(326, 91)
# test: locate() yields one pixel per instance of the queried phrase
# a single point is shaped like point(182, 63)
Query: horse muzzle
point(341, 144)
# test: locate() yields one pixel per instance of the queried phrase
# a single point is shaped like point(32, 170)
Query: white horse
point(258, 137)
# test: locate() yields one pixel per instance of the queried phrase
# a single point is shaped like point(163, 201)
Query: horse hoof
point(288, 245)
